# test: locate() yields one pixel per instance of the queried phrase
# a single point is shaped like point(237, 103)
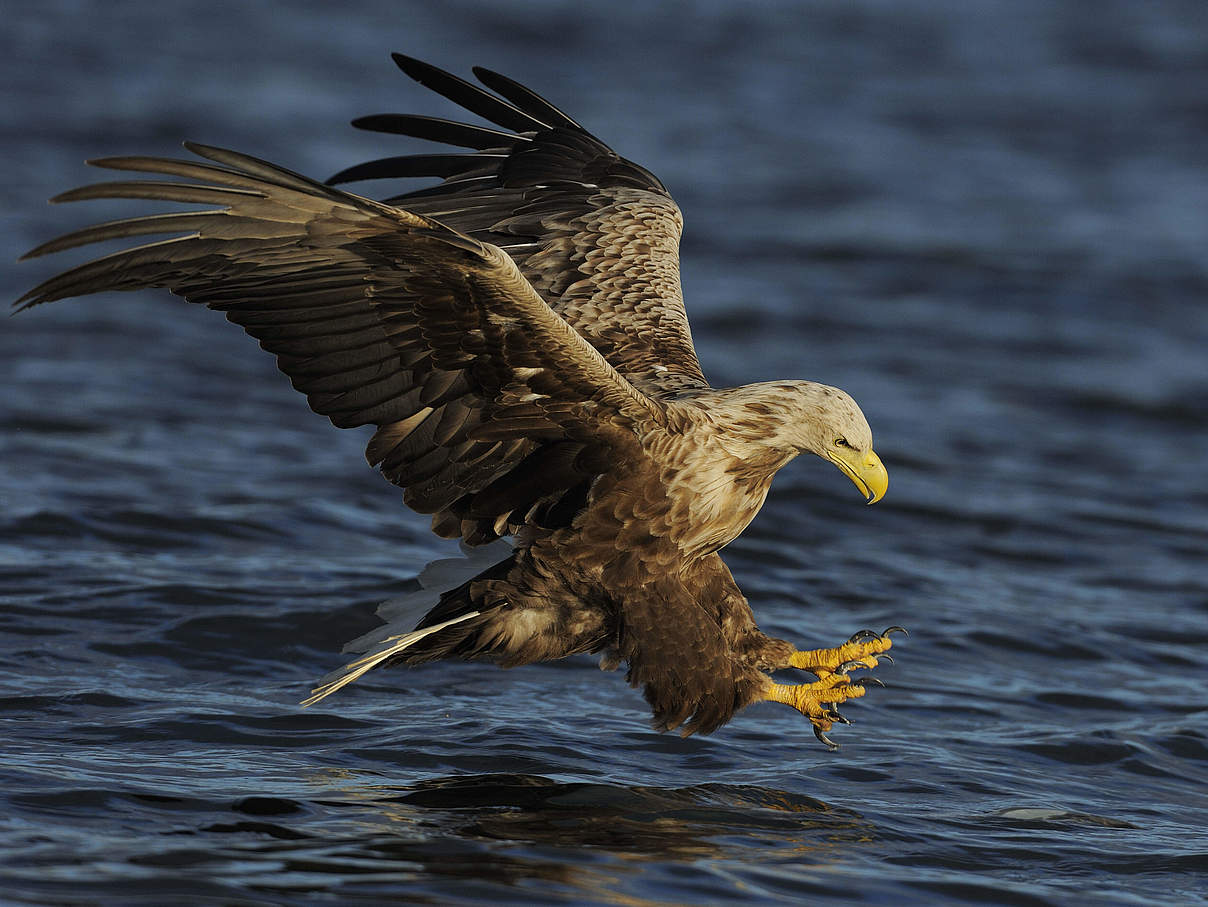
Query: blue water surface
point(986, 220)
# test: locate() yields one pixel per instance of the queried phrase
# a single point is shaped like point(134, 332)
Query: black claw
point(836, 716)
point(896, 629)
point(851, 666)
point(861, 635)
point(865, 681)
point(885, 656)
point(824, 740)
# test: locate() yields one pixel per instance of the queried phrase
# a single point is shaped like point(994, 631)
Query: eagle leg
point(817, 700)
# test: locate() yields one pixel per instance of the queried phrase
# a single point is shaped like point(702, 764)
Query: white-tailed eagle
point(517, 337)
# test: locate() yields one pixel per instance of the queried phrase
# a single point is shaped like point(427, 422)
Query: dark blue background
point(986, 220)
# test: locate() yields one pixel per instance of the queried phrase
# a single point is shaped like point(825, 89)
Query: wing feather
point(436, 129)
point(467, 95)
point(525, 98)
point(595, 234)
point(383, 317)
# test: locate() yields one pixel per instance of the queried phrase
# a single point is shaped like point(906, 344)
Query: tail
point(443, 600)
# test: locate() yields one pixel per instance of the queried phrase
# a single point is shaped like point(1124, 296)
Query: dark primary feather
point(381, 317)
point(444, 165)
point(595, 234)
point(469, 96)
point(437, 130)
point(525, 98)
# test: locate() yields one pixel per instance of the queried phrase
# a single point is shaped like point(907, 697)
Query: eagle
point(515, 334)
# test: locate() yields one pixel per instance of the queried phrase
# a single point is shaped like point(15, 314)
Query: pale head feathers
point(791, 417)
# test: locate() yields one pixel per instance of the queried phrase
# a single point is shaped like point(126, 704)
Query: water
point(985, 220)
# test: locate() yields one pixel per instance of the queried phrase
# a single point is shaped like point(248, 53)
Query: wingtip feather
point(26, 301)
point(411, 66)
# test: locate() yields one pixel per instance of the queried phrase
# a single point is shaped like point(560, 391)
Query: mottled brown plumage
point(517, 336)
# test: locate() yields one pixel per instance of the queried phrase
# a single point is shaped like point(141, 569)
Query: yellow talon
point(817, 700)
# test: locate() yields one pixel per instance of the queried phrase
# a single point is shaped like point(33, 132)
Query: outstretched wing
point(491, 411)
point(596, 235)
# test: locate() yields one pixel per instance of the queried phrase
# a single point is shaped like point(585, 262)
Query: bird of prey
point(517, 337)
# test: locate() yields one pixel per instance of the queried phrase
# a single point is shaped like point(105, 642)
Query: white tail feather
point(389, 648)
point(401, 615)
point(403, 612)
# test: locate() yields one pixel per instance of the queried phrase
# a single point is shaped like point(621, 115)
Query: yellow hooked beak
point(866, 470)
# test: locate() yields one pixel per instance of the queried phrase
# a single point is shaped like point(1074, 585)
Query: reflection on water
point(638, 823)
point(519, 830)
